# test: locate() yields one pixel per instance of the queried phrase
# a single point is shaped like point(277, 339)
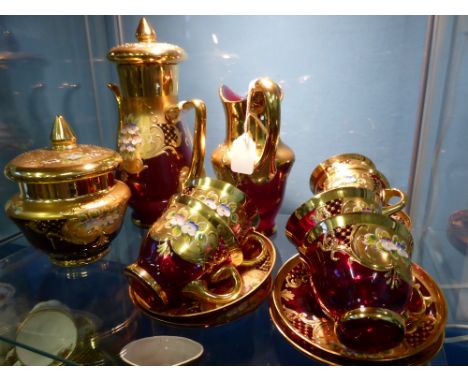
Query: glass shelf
point(97, 295)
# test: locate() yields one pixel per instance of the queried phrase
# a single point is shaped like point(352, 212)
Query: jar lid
point(147, 50)
point(64, 160)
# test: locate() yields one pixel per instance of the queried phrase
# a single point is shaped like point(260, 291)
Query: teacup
point(230, 203)
point(347, 170)
point(188, 247)
point(360, 271)
point(337, 202)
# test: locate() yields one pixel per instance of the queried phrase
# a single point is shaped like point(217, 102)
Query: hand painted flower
point(178, 220)
point(190, 228)
point(223, 210)
point(401, 250)
point(132, 127)
point(136, 140)
point(388, 245)
point(210, 203)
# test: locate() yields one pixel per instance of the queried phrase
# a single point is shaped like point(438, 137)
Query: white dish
point(161, 351)
point(50, 330)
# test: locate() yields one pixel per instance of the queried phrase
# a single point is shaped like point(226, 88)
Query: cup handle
point(263, 253)
point(388, 193)
point(197, 168)
point(199, 289)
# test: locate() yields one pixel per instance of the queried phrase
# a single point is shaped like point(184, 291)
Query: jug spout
point(235, 109)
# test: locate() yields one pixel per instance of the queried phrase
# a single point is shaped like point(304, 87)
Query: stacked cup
point(358, 256)
point(201, 238)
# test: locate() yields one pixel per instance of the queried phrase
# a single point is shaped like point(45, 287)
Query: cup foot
point(370, 329)
point(79, 262)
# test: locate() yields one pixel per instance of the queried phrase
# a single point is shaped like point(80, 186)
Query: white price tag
point(243, 154)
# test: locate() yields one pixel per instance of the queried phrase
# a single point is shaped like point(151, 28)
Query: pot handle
point(387, 194)
point(200, 289)
point(197, 168)
point(118, 99)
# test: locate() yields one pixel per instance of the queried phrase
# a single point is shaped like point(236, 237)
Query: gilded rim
point(359, 218)
point(271, 253)
point(137, 273)
point(337, 193)
point(422, 277)
point(371, 313)
point(226, 188)
point(322, 167)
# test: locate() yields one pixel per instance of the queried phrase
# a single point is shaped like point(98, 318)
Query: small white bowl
point(161, 351)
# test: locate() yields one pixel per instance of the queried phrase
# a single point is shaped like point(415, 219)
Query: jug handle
point(265, 168)
point(197, 168)
point(118, 98)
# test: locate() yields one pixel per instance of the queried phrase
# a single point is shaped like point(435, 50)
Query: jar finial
point(62, 135)
point(145, 32)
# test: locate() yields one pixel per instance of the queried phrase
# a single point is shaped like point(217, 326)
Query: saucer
point(190, 311)
point(50, 329)
point(319, 355)
point(297, 315)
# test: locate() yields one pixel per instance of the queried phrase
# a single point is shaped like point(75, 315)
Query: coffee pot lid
point(64, 160)
point(147, 49)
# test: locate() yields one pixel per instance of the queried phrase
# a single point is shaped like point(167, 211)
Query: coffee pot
point(158, 158)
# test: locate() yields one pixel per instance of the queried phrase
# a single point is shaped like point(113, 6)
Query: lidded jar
point(158, 159)
point(69, 204)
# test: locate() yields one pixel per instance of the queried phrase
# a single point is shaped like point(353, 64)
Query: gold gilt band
point(139, 274)
point(66, 190)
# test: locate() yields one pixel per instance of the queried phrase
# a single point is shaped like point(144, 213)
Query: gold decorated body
point(155, 147)
point(74, 231)
point(69, 204)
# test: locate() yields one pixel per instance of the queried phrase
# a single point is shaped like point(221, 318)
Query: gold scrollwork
point(95, 225)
